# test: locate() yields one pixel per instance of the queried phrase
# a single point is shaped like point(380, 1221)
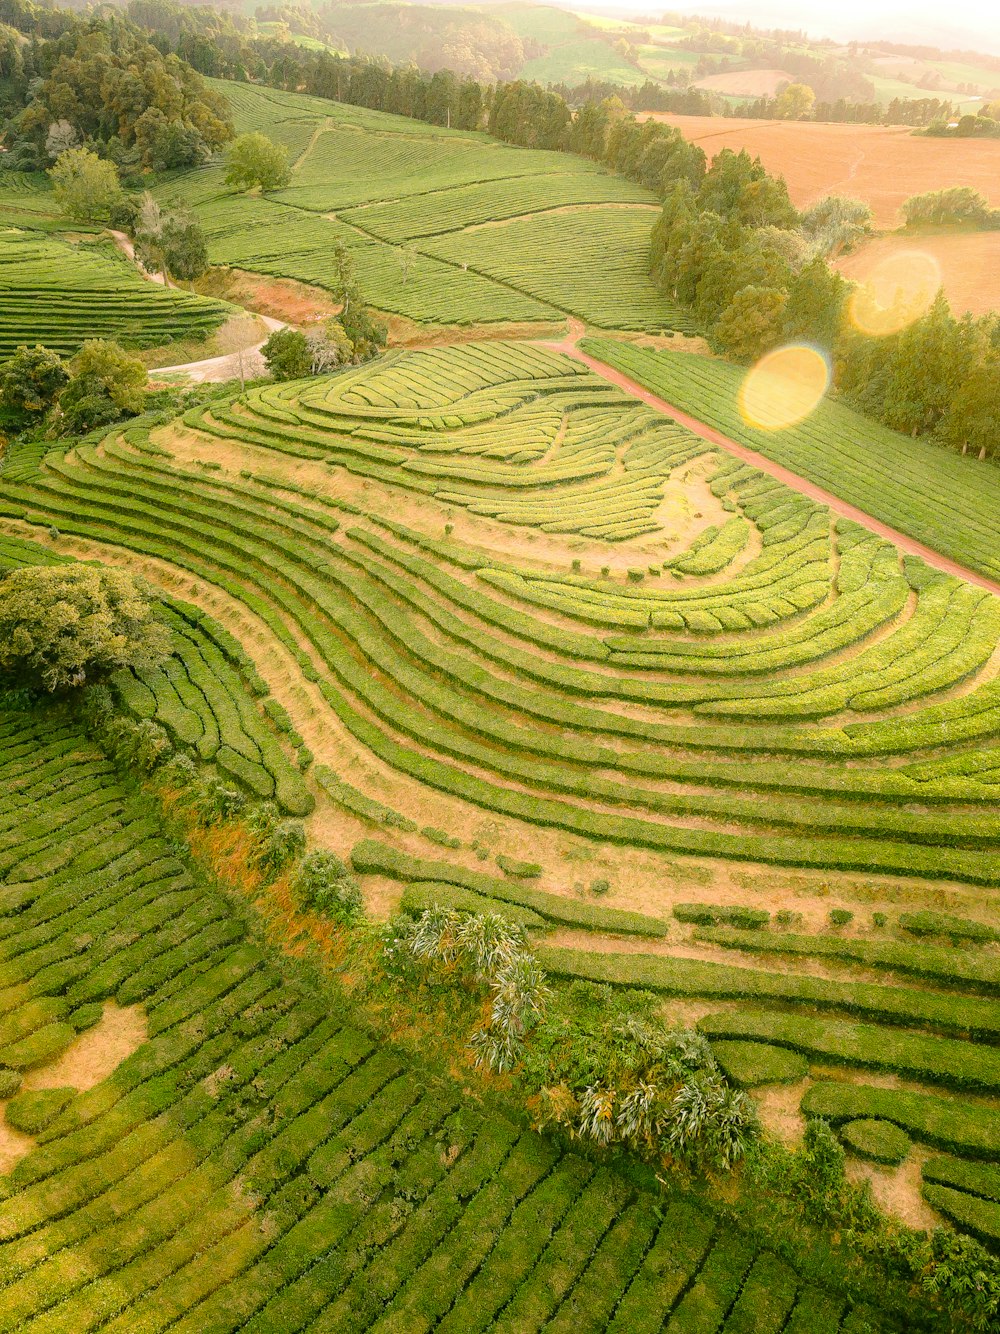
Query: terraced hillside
point(948, 502)
point(216, 1145)
point(58, 294)
point(444, 226)
point(514, 614)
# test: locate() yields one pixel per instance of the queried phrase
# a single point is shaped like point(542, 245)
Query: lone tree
point(86, 186)
point(794, 102)
point(254, 160)
point(65, 626)
point(286, 353)
point(106, 385)
point(31, 381)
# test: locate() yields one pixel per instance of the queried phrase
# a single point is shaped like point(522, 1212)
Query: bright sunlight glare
point(894, 293)
point(784, 387)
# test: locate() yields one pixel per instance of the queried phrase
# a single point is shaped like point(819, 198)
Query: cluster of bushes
point(352, 337)
point(948, 1268)
point(39, 392)
point(597, 1063)
point(960, 204)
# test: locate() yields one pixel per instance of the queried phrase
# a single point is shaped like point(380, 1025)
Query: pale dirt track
point(229, 365)
point(910, 545)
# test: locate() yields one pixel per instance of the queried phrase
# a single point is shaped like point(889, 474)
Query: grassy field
point(59, 294)
point(410, 202)
point(511, 612)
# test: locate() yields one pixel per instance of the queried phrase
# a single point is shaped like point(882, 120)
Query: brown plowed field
point(970, 265)
point(882, 164)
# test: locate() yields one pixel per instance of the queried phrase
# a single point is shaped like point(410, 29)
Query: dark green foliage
point(518, 869)
point(714, 914)
point(928, 923)
point(964, 1128)
point(287, 354)
point(324, 883)
point(277, 842)
point(31, 381)
point(840, 916)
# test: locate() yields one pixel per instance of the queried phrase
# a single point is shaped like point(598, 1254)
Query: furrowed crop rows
point(59, 295)
point(950, 503)
point(778, 689)
point(259, 1162)
point(409, 202)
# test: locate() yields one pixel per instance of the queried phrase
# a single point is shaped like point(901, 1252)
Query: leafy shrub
point(277, 842)
point(840, 917)
point(712, 914)
point(486, 950)
point(520, 870)
point(323, 882)
point(10, 1082)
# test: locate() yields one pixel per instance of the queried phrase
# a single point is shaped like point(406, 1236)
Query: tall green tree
point(30, 382)
point(255, 161)
point(65, 626)
point(86, 187)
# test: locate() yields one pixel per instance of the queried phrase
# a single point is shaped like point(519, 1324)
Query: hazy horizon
point(974, 27)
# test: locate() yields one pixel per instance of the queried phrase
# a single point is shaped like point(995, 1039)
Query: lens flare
point(897, 291)
point(784, 387)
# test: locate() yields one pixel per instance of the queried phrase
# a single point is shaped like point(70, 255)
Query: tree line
point(731, 247)
point(102, 83)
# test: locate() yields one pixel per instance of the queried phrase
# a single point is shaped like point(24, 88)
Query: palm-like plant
point(597, 1114)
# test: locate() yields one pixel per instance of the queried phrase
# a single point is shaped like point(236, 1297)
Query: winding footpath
point(910, 545)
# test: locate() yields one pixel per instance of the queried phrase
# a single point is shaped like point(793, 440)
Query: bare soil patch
point(281, 298)
point(897, 1189)
point(97, 1052)
point(969, 263)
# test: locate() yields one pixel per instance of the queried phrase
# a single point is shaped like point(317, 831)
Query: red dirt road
point(775, 470)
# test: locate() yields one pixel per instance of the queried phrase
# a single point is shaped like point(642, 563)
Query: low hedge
point(919, 1056)
point(928, 923)
point(749, 1064)
point(679, 976)
point(714, 914)
point(31, 1112)
point(963, 1128)
point(969, 1213)
point(420, 895)
point(981, 1179)
point(370, 857)
point(977, 970)
point(881, 1141)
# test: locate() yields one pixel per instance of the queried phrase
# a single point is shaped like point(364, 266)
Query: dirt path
point(124, 244)
point(910, 545)
point(228, 366)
